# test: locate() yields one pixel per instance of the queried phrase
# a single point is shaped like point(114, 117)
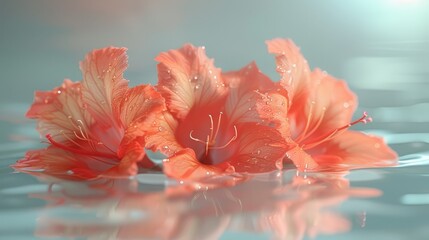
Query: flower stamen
point(210, 141)
point(230, 141)
point(364, 119)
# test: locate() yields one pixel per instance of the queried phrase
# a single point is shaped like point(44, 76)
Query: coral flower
point(212, 125)
point(94, 127)
point(319, 113)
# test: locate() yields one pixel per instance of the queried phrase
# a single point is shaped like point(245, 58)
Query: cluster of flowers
point(206, 122)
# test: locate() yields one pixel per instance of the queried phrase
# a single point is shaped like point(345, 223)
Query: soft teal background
point(380, 47)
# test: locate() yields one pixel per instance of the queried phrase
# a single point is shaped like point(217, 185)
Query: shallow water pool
point(380, 47)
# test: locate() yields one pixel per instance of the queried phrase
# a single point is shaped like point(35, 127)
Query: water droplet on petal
point(230, 169)
point(279, 164)
point(160, 128)
point(346, 105)
point(280, 69)
point(70, 172)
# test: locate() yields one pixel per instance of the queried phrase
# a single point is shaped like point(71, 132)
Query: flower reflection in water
point(283, 205)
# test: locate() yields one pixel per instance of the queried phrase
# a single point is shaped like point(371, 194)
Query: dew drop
point(160, 128)
point(280, 69)
point(346, 105)
point(254, 160)
point(59, 91)
point(230, 169)
point(279, 164)
point(70, 172)
point(165, 147)
point(197, 87)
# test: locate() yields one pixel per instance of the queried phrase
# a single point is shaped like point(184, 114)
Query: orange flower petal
point(292, 67)
point(301, 159)
point(259, 149)
point(61, 112)
point(245, 86)
point(139, 109)
point(138, 104)
point(272, 107)
point(128, 163)
point(355, 150)
point(323, 111)
point(57, 163)
point(103, 84)
point(185, 165)
point(162, 137)
point(187, 78)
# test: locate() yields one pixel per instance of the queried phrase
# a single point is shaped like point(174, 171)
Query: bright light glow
point(405, 2)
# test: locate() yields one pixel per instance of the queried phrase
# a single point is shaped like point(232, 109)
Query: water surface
point(381, 48)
